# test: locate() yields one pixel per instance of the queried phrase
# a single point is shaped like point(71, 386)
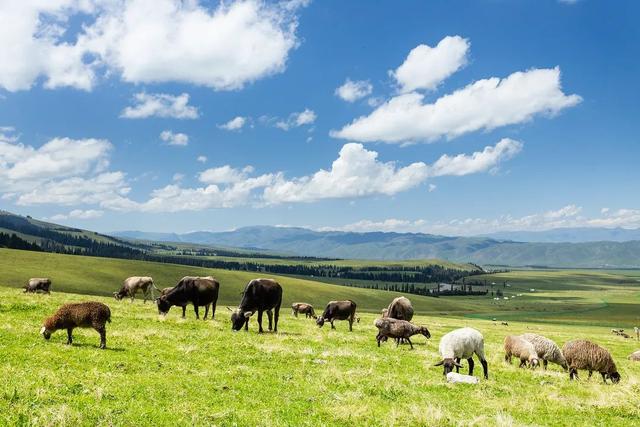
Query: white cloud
point(234, 124)
point(432, 188)
point(351, 90)
point(224, 175)
point(202, 159)
point(144, 41)
point(302, 118)
point(160, 105)
point(483, 105)
point(178, 177)
point(179, 139)
point(426, 67)
point(480, 161)
point(78, 214)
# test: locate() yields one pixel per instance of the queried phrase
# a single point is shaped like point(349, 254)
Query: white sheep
point(522, 349)
point(462, 344)
point(548, 351)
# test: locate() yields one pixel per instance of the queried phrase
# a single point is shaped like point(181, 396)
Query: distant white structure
point(532, 290)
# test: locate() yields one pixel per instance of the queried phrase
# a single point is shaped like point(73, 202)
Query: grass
point(188, 372)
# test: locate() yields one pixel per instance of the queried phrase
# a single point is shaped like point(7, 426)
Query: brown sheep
point(583, 354)
point(80, 315)
point(522, 349)
point(398, 329)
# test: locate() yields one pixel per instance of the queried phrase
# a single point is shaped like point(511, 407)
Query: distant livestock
point(637, 331)
point(338, 310)
point(548, 351)
point(259, 295)
point(400, 308)
point(635, 356)
point(583, 354)
point(399, 330)
point(80, 315)
point(303, 308)
point(199, 291)
point(462, 344)
point(132, 285)
point(522, 349)
point(38, 284)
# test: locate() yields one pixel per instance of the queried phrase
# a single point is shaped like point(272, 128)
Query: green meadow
point(169, 371)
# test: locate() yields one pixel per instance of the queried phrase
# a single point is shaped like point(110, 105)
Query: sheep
point(635, 356)
point(583, 354)
point(522, 349)
point(79, 315)
point(548, 351)
point(398, 329)
point(462, 344)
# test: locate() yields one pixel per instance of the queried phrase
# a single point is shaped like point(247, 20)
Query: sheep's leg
point(270, 317)
point(544, 363)
point(573, 373)
point(103, 337)
point(410, 343)
point(507, 358)
point(523, 363)
point(378, 338)
point(590, 373)
point(485, 368)
point(604, 377)
point(69, 336)
point(470, 360)
point(397, 342)
point(458, 368)
point(260, 321)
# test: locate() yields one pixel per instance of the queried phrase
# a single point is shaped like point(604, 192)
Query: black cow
point(259, 295)
point(199, 291)
point(338, 310)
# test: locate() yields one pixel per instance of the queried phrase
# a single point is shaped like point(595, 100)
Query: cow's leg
point(145, 295)
point(350, 324)
point(206, 311)
point(295, 313)
point(260, 321)
point(69, 336)
point(195, 309)
point(332, 325)
point(246, 325)
point(270, 317)
point(184, 311)
point(276, 316)
point(213, 310)
point(470, 360)
point(103, 337)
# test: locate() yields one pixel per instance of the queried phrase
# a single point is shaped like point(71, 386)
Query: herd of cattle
point(265, 295)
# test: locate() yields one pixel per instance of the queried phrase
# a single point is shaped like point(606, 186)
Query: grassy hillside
point(175, 372)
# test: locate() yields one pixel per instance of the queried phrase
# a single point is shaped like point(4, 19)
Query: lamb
point(462, 344)
point(583, 354)
point(79, 315)
point(635, 356)
point(548, 351)
point(398, 329)
point(521, 348)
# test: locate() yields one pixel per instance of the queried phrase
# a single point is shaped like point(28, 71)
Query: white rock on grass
point(455, 378)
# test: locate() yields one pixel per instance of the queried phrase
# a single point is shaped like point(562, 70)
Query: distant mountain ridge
point(391, 245)
point(569, 235)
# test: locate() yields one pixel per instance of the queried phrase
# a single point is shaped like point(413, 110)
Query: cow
point(303, 308)
point(259, 295)
point(338, 310)
point(38, 284)
point(132, 285)
point(166, 290)
point(199, 291)
point(401, 309)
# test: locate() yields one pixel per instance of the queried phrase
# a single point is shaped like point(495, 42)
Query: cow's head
point(448, 364)
point(45, 333)
point(119, 295)
point(163, 305)
point(239, 318)
point(320, 321)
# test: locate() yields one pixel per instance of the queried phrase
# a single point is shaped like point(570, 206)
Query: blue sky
point(457, 117)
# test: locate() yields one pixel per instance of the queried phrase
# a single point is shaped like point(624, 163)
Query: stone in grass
point(455, 378)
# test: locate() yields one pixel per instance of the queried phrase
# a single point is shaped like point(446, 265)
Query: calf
point(259, 295)
point(338, 310)
point(199, 291)
point(303, 308)
point(38, 284)
point(132, 285)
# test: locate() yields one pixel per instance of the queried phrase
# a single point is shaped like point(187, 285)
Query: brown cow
point(303, 308)
point(38, 284)
point(132, 285)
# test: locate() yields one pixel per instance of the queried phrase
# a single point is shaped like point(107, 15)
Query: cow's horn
point(42, 330)
point(248, 314)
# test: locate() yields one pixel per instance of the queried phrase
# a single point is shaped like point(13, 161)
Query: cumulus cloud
point(480, 161)
point(236, 123)
point(484, 105)
point(351, 90)
point(224, 175)
point(426, 67)
point(144, 41)
point(302, 118)
point(78, 214)
point(160, 105)
point(202, 159)
point(179, 139)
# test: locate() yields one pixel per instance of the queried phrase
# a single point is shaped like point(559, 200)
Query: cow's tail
point(153, 286)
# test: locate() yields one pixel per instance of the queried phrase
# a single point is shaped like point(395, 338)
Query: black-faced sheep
point(80, 315)
point(462, 344)
point(522, 349)
point(398, 329)
point(548, 351)
point(583, 354)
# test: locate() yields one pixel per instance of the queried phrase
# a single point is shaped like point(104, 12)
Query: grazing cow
point(303, 308)
point(259, 295)
point(199, 291)
point(38, 284)
point(132, 285)
point(338, 310)
point(166, 290)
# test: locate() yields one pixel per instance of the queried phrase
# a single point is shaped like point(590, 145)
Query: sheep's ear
point(42, 330)
point(247, 314)
point(439, 363)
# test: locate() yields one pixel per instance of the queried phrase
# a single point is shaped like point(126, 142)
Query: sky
point(440, 116)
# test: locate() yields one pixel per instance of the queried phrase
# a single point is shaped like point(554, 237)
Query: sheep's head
point(614, 377)
point(534, 362)
point(424, 331)
point(45, 333)
point(448, 364)
point(163, 305)
point(239, 318)
point(320, 321)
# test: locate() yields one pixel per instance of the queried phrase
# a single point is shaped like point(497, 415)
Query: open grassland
point(186, 372)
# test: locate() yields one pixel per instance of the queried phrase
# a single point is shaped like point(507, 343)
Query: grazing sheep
point(635, 356)
point(400, 308)
point(80, 315)
point(548, 351)
point(583, 354)
point(522, 349)
point(398, 329)
point(462, 344)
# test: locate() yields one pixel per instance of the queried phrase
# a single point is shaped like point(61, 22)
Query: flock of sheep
point(266, 295)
